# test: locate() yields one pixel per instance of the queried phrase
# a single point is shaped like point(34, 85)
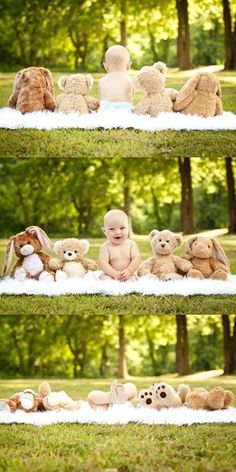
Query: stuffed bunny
point(33, 90)
point(158, 98)
point(208, 259)
point(32, 263)
point(119, 393)
point(201, 95)
point(75, 98)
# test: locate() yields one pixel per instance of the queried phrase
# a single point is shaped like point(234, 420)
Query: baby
point(116, 89)
point(119, 257)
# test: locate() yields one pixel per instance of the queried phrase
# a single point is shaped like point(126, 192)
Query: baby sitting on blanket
point(119, 257)
point(116, 89)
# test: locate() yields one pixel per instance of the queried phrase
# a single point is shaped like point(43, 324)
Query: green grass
point(123, 448)
point(133, 304)
point(121, 143)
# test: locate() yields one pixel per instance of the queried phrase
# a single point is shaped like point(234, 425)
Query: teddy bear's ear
point(189, 244)
point(57, 246)
point(85, 245)
point(161, 66)
point(185, 95)
point(89, 81)
point(179, 240)
point(62, 81)
point(8, 255)
point(219, 252)
point(153, 233)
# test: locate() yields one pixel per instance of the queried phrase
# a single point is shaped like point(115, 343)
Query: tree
point(182, 351)
point(187, 206)
point(122, 372)
point(231, 194)
point(229, 345)
point(230, 36)
point(183, 40)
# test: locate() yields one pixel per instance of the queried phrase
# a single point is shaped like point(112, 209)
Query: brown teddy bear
point(158, 99)
point(162, 395)
point(201, 95)
point(32, 263)
point(200, 398)
point(33, 90)
point(75, 98)
point(164, 265)
point(71, 261)
point(118, 394)
point(208, 259)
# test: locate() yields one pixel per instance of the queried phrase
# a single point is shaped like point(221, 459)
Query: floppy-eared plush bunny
point(32, 263)
point(208, 259)
point(70, 260)
point(158, 98)
point(33, 90)
point(201, 95)
point(75, 98)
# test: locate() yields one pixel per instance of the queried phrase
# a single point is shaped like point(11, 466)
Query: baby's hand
point(125, 274)
point(117, 275)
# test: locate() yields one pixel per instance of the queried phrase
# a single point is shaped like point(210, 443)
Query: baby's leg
point(98, 399)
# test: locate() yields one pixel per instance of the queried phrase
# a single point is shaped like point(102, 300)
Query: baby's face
point(116, 229)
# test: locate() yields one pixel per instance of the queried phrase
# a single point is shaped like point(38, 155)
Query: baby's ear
point(62, 81)
point(89, 81)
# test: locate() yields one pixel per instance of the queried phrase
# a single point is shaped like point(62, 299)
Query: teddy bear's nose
point(69, 253)
point(163, 244)
point(163, 395)
point(149, 401)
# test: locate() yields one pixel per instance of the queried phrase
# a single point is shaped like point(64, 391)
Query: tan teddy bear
point(33, 90)
point(164, 265)
point(208, 259)
point(71, 261)
point(162, 395)
point(201, 95)
point(158, 99)
point(75, 98)
point(200, 398)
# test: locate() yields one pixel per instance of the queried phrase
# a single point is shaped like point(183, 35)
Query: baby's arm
point(105, 264)
point(134, 264)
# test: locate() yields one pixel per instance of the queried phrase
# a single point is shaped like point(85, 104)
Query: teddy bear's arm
point(172, 93)
point(92, 103)
point(89, 264)
point(45, 259)
point(55, 264)
point(182, 264)
point(219, 106)
point(187, 256)
point(143, 106)
point(17, 265)
point(59, 99)
point(145, 267)
point(49, 101)
point(215, 265)
point(13, 99)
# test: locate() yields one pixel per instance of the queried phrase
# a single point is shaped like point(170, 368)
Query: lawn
point(133, 304)
point(124, 448)
point(121, 143)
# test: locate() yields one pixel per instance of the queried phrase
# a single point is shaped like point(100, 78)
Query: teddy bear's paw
point(20, 274)
point(146, 398)
point(60, 275)
point(219, 275)
point(195, 274)
point(46, 277)
point(172, 276)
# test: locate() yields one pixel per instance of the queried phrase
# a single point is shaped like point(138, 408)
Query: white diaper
point(113, 106)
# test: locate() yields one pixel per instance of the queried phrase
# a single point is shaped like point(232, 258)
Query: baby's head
point(117, 58)
point(116, 226)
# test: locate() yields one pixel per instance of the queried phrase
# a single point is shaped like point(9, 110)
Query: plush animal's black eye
point(209, 246)
point(28, 242)
point(76, 252)
point(160, 239)
point(142, 396)
point(64, 252)
point(150, 393)
point(158, 388)
point(21, 245)
point(167, 241)
point(163, 386)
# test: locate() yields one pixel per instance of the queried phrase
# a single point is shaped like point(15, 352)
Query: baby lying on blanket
point(116, 89)
point(119, 393)
point(119, 257)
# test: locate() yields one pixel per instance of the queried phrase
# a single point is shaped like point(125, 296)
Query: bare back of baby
point(116, 86)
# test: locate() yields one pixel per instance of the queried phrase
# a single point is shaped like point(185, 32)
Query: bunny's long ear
point(85, 245)
point(186, 95)
point(219, 90)
point(8, 255)
point(220, 254)
point(41, 235)
point(48, 79)
point(189, 245)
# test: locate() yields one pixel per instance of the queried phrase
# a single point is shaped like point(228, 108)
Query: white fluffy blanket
point(12, 119)
point(121, 414)
point(143, 286)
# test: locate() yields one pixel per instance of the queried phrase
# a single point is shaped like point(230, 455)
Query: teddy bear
point(33, 90)
point(75, 98)
point(158, 98)
point(162, 395)
point(147, 397)
point(118, 394)
point(164, 265)
point(32, 263)
point(200, 398)
point(201, 95)
point(71, 261)
point(208, 259)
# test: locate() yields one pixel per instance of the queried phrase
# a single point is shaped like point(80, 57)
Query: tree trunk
point(230, 36)
point(229, 345)
point(183, 40)
point(122, 372)
point(187, 207)
point(103, 364)
point(123, 23)
point(231, 194)
point(127, 204)
point(182, 361)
